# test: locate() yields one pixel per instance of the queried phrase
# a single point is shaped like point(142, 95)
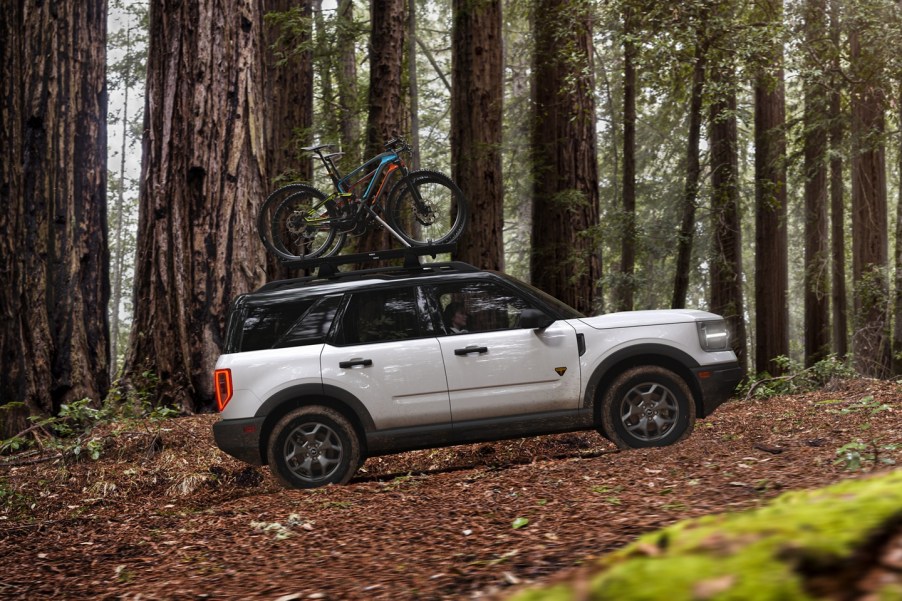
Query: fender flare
point(662, 355)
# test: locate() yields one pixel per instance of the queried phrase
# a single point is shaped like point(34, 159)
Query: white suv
point(320, 373)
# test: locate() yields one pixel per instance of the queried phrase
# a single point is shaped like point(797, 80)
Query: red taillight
point(222, 382)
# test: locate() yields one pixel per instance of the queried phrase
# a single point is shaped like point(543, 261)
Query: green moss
point(751, 555)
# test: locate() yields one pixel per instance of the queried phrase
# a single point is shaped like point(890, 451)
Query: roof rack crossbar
point(328, 266)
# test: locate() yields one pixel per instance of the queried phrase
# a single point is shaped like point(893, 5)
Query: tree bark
point(817, 257)
point(202, 183)
point(476, 128)
point(386, 116)
point(726, 259)
point(771, 245)
point(869, 205)
point(288, 88)
point(566, 255)
point(54, 255)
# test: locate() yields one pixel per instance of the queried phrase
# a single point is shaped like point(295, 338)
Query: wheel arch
point(289, 399)
point(659, 355)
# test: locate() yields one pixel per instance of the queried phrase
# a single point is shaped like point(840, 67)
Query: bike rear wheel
point(297, 223)
point(426, 207)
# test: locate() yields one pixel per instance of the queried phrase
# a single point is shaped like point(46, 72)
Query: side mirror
point(534, 319)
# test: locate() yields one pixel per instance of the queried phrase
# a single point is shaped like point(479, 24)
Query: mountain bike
point(418, 208)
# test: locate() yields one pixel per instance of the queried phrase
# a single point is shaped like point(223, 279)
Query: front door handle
point(355, 362)
point(460, 352)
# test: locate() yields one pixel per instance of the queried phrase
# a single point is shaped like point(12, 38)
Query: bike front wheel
point(297, 222)
point(426, 207)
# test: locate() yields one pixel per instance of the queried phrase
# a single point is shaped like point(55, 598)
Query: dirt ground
point(162, 514)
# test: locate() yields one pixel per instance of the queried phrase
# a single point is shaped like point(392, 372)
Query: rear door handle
point(355, 362)
point(460, 352)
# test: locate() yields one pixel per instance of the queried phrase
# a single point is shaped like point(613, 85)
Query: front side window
point(477, 307)
point(380, 316)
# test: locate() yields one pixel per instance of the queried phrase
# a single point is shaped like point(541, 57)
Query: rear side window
point(280, 324)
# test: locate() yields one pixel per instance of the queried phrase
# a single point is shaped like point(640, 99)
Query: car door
point(495, 368)
point(388, 357)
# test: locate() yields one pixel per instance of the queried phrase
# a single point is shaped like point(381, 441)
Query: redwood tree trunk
point(726, 258)
point(838, 296)
point(771, 254)
point(817, 257)
point(476, 127)
point(386, 110)
point(566, 257)
point(202, 183)
point(625, 285)
point(288, 87)
point(869, 208)
point(54, 257)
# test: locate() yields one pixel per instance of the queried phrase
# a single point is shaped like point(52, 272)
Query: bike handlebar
point(397, 144)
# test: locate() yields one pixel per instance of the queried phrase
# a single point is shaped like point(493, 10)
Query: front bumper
point(240, 438)
point(717, 384)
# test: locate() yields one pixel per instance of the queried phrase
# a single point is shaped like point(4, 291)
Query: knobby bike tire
point(441, 216)
point(282, 229)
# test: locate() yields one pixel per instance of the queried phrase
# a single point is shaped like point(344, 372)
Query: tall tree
point(476, 127)
point(624, 289)
point(838, 297)
point(288, 88)
point(726, 258)
point(386, 117)
point(566, 257)
point(54, 259)
point(346, 76)
point(771, 245)
point(693, 167)
point(202, 180)
point(869, 195)
point(817, 257)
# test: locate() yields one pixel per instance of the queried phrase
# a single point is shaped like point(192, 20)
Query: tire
point(282, 227)
point(441, 216)
point(647, 406)
point(313, 446)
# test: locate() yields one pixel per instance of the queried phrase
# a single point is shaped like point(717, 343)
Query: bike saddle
point(315, 148)
point(334, 155)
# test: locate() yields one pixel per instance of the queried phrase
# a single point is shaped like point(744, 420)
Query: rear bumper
point(240, 438)
point(717, 384)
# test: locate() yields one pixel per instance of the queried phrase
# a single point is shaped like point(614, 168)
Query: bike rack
point(328, 266)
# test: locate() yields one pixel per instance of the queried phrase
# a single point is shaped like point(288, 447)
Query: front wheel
point(313, 446)
point(426, 207)
point(647, 406)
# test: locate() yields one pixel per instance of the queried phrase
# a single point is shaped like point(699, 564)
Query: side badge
point(560, 370)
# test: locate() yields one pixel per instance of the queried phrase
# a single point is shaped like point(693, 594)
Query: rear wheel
point(647, 406)
point(296, 223)
point(426, 207)
point(313, 446)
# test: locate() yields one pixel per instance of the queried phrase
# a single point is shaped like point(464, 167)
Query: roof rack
point(328, 266)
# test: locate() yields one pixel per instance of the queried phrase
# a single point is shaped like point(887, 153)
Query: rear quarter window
point(282, 323)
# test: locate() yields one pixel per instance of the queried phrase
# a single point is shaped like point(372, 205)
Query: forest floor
point(163, 514)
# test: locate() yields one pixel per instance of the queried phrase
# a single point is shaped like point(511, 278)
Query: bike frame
point(385, 163)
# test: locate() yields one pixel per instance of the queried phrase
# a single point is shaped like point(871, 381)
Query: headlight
point(713, 335)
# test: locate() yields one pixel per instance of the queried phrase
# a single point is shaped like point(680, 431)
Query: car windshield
point(565, 310)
